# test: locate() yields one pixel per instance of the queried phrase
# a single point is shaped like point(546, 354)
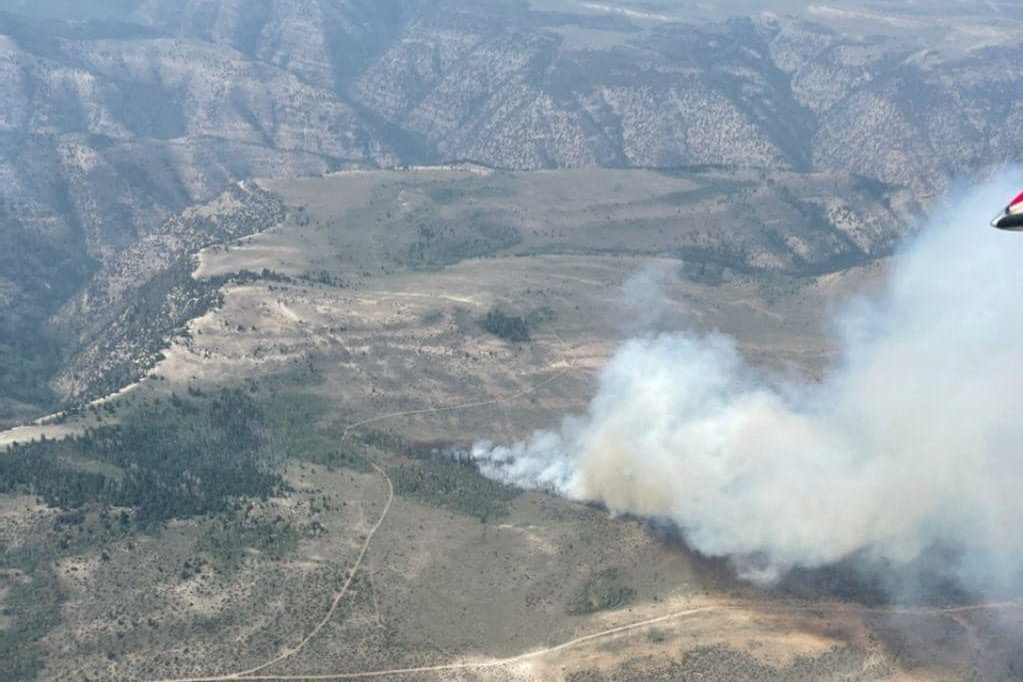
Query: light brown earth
point(440, 594)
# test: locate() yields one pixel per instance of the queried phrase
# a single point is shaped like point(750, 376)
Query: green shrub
point(508, 327)
point(32, 605)
point(457, 486)
point(605, 590)
point(166, 460)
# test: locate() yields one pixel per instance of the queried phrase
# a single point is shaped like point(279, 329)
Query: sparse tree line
point(171, 459)
point(459, 487)
point(509, 327)
point(36, 276)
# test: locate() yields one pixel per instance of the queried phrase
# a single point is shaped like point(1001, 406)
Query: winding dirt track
point(519, 658)
point(469, 664)
point(339, 595)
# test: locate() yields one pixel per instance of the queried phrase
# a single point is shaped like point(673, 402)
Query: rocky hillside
point(115, 328)
point(117, 116)
point(337, 231)
point(114, 121)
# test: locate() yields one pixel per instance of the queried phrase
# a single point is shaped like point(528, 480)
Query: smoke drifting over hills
point(913, 440)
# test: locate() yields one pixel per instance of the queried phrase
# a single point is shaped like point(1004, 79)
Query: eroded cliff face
point(115, 120)
point(108, 127)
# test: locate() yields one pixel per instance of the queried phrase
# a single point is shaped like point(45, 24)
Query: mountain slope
point(116, 117)
point(109, 127)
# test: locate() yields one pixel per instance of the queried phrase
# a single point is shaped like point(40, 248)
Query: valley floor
point(383, 557)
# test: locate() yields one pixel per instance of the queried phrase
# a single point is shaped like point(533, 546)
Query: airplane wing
point(1012, 217)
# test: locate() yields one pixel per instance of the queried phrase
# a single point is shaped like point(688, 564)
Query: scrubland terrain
point(318, 399)
point(117, 116)
point(268, 269)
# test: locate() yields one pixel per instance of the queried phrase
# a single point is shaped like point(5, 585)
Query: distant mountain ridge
point(116, 117)
point(108, 128)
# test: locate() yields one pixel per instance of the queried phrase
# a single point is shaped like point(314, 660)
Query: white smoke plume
point(643, 303)
point(913, 440)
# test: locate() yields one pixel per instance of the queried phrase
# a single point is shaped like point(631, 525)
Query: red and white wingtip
point(1012, 217)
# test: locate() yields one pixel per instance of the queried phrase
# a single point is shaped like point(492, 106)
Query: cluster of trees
point(444, 243)
point(458, 486)
point(31, 609)
point(161, 308)
point(37, 275)
point(509, 327)
point(230, 538)
point(171, 459)
point(603, 591)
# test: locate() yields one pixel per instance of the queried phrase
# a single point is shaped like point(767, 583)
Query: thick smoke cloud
point(913, 440)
